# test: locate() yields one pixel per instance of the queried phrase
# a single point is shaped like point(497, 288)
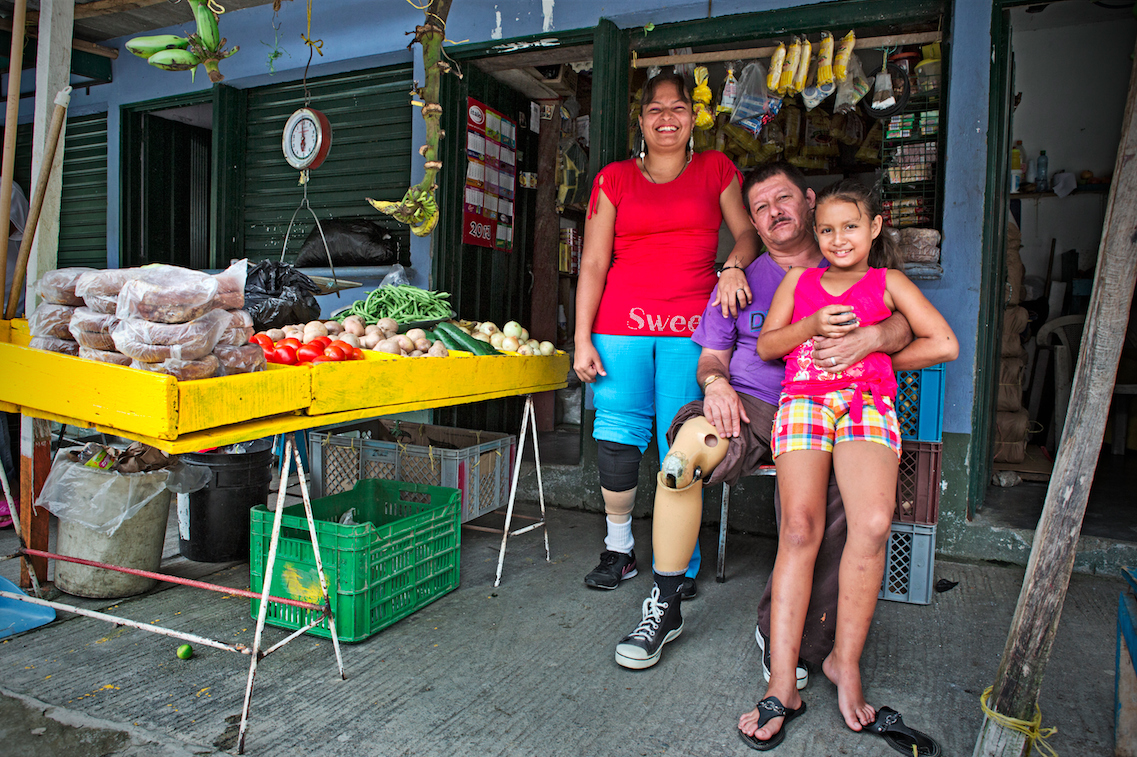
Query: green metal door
point(485, 284)
point(83, 206)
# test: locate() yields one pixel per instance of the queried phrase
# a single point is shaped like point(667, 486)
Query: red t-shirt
point(666, 240)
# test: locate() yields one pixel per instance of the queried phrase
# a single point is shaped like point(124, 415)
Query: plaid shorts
point(820, 422)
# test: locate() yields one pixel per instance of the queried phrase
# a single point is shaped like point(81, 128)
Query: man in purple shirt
point(725, 435)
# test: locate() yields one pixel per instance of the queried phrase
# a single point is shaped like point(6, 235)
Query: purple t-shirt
point(749, 373)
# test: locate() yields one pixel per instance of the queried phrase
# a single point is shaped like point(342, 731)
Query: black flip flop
point(771, 708)
point(890, 725)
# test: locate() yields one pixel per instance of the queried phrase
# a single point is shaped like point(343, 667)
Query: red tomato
point(285, 354)
point(324, 359)
point(263, 339)
point(335, 353)
point(270, 356)
point(291, 341)
point(347, 348)
point(323, 341)
point(356, 353)
point(309, 352)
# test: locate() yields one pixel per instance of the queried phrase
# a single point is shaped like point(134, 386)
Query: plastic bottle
point(1042, 182)
point(1016, 165)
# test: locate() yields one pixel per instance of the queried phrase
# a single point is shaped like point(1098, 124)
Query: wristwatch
point(710, 380)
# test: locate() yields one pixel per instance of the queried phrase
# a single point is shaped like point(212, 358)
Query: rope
point(1035, 734)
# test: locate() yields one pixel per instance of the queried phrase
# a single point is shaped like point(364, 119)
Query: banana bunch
point(170, 52)
point(418, 209)
point(144, 47)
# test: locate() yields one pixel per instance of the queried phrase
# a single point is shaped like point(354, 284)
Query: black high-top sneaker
point(662, 622)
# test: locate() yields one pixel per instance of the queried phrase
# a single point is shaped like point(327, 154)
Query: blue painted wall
point(361, 34)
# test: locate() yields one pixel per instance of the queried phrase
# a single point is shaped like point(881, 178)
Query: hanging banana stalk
point(418, 208)
point(170, 52)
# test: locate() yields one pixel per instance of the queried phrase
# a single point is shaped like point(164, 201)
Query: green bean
point(403, 303)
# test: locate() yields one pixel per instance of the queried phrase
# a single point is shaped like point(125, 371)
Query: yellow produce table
point(185, 416)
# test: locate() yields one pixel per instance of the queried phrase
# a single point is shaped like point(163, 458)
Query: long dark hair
point(885, 253)
point(647, 94)
point(652, 84)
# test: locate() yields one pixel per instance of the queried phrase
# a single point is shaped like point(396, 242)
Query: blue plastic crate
point(920, 404)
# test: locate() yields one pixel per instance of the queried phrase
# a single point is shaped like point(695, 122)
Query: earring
point(691, 147)
point(642, 148)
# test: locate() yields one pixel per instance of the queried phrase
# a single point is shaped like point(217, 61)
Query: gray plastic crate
point(910, 559)
point(477, 463)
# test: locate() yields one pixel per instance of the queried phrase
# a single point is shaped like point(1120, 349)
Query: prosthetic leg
point(695, 453)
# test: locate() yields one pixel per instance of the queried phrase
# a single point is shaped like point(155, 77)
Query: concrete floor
point(527, 668)
point(1111, 512)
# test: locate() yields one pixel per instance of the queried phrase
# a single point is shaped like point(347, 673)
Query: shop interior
point(1054, 228)
point(882, 126)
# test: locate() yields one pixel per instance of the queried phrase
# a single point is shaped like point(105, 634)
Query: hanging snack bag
point(729, 90)
point(777, 60)
point(815, 94)
point(789, 68)
point(701, 97)
point(801, 76)
point(852, 88)
point(824, 61)
point(843, 55)
point(882, 97)
point(753, 107)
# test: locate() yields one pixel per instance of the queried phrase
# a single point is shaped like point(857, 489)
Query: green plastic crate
point(402, 555)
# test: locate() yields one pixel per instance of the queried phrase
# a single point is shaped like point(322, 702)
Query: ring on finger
point(832, 361)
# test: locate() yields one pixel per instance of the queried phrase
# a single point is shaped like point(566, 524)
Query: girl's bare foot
point(789, 698)
point(850, 698)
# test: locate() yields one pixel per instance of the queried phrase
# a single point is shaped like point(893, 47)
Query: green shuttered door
point(83, 209)
point(370, 114)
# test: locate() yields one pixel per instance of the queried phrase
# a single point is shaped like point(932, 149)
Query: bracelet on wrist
point(727, 265)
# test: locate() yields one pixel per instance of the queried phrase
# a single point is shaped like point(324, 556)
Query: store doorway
point(1053, 233)
point(545, 94)
point(167, 178)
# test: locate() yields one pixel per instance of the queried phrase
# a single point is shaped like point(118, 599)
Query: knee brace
point(696, 452)
point(619, 465)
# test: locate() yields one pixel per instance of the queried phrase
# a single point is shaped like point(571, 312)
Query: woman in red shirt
point(648, 268)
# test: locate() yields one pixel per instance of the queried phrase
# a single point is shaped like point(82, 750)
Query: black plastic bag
point(351, 241)
point(276, 294)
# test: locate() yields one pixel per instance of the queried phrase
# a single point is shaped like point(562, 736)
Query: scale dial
point(307, 139)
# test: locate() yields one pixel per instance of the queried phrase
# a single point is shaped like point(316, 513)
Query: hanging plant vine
point(418, 208)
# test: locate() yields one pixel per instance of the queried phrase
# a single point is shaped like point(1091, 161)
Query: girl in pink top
point(844, 420)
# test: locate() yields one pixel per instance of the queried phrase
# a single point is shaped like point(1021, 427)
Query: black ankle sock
point(668, 585)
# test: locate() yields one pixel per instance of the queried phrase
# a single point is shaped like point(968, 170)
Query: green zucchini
point(450, 342)
point(467, 342)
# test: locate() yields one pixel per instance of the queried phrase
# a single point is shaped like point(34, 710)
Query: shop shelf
point(909, 563)
point(920, 403)
point(477, 463)
point(401, 554)
point(918, 483)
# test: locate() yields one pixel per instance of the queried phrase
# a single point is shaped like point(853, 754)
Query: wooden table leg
point(35, 463)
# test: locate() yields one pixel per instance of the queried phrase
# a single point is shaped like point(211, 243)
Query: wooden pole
point(57, 120)
point(1035, 622)
point(11, 116)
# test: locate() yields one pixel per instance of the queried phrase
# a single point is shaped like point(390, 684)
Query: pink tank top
point(873, 374)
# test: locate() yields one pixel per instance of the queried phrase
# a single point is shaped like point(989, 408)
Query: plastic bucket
point(136, 544)
point(213, 523)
